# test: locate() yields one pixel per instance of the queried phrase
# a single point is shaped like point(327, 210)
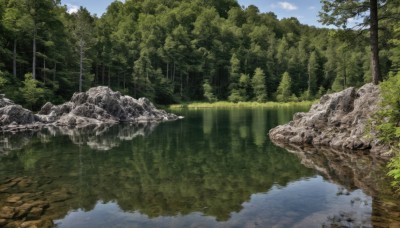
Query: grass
point(227, 104)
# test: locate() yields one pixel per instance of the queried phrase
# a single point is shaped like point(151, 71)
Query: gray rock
point(99, 105)
point(46, 109)
point(15, 114)
point(339, 121)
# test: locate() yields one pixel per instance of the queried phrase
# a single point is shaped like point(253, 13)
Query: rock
point(14, 115)
point(7, 212)
point(46, 109)
point(339, 120)
point(3, 222)
point(35, 213)
point(13, 199)
point(37, 224)
point(99, 105)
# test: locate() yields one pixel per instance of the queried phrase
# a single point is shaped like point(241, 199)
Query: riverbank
point(227, 104)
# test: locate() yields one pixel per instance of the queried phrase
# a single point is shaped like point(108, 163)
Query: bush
point(208, 92)
point(31, 92)
point(388, 123)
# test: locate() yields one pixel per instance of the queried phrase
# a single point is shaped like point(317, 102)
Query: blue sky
point(305, 10)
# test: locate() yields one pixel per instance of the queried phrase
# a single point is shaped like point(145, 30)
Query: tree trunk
point(103, 74)
point(180, 76)
point(15, 58)
point(96, 78)
point(118, 83)
point(80, 64)
point(109, 76)
point(44, 70)
point(34, 54)
point(167, 69)
point(375, 69)
point(124, 81)
point(54, 72)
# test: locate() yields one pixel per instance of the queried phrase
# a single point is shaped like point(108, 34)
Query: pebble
point(2, 222)
point(7, 212)
point(13, 199)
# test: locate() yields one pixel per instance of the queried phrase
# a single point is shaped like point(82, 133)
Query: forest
point(184, 50)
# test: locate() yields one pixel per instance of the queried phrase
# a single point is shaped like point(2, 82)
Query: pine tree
point(258, 84)
point(284, 90)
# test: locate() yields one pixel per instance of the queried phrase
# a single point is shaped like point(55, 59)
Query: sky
point(306, 11)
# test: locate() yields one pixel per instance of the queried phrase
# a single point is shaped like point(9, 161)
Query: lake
point(215, 168)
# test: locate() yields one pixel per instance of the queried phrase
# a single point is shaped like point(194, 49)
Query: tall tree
point(285, 88)
point(83, 33)
point(258, 84)
point(312, 69)
point(339, 12)
point(15, 21)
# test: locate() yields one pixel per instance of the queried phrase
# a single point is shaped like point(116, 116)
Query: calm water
point(215, 168)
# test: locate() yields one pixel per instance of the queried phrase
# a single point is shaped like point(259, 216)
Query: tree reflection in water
point(214, 168)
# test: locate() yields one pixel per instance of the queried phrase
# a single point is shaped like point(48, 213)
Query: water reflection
point(353, 170)
point(97, 137)
point(215, 168)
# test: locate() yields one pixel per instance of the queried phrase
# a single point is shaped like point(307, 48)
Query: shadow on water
point(215, 168)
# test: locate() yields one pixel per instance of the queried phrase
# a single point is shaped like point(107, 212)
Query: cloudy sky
point(305, 10)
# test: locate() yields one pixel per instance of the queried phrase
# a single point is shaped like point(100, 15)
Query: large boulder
point(99, 105)
point(15, 114)
point(339, 120)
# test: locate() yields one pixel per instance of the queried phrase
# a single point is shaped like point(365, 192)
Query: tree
point(312, 69)
point(284, 90)
point(208, 92)
point(83, 33)
point(234, 76)
point(41, 13)
point(15, 21)
point(30, 91)
point(258, 84)
point(338, 12)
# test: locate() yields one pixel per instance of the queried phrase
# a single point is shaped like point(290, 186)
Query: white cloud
point(312, 8)
point(287, 6)
point(72, 8)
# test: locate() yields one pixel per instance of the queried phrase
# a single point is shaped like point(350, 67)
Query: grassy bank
point(226, 104)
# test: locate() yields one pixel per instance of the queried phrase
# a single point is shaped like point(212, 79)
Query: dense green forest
point(173, 51)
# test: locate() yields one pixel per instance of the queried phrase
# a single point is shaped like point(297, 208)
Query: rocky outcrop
point(99, 105)
point(339, 120)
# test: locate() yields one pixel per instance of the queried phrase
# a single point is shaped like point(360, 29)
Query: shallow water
point(215, 168)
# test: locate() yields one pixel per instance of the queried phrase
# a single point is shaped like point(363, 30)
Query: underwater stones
point(37, 224)
point(13, 199)
point(7, 212)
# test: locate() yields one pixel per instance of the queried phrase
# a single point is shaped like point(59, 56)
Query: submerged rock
point(99, 105)
point(339, 120)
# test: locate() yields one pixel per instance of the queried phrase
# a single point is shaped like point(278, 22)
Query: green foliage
point(236, 96)
point(258, 84)
point(284, 92)
point(166, 49)
point(3, 80)
point(208, 92)
point(30, 91)
point(246, 104)
point(388, 122)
